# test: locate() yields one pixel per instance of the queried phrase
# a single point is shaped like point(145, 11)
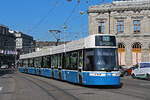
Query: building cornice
point(133, 35)
point(113, 8)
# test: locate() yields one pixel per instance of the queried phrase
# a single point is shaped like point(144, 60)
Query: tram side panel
point(71, 76)
point(46, 72)
point(56, 74)
point(21, 69)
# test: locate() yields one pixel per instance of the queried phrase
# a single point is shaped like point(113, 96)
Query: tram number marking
point(97, 74)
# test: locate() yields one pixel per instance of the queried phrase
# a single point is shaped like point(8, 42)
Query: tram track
point(39, 83)
point(41, 87)
point(16, 78)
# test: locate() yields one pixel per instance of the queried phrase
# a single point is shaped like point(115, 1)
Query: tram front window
point(101, 59)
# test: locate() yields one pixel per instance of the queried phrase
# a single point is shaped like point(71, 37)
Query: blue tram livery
point(89, 61)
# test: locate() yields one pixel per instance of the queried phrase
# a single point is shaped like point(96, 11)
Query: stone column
point(145, 55)
point(145, 52)
point(128, 53)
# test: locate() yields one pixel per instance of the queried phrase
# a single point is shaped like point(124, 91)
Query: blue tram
point(89, 61)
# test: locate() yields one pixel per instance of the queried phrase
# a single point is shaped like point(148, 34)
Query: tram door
point(60, 64)
point(121, 54)
point(80, 65)
point(52, 71)
point(136, 53)
point(53, 63)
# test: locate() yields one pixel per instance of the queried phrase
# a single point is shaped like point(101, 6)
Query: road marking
point(1, 88)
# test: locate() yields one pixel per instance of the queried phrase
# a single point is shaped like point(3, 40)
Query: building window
point(137, 25)
point(120, 26)
point(101, 28)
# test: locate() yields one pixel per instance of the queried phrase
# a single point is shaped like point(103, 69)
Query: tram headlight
point(103, 74)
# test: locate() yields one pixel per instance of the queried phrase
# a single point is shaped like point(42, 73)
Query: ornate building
point(129, 20)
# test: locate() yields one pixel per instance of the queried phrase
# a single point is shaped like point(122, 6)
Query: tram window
point(33, 61)
point(80, 59)
point(105, 41)
point(30, 62)
point(21, 63)
point(49, 61)
point(59, 60)
point(67, 60)
point(45, 62)
point(89, 60)
point(74, 56)
point(25, 63)
point(54, 61)
point(36, 62)
point(40, 62)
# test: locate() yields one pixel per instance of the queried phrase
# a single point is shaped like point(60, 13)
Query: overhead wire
point(68, 18)
point(75, 7)
point(70, 15)
point(44, 17)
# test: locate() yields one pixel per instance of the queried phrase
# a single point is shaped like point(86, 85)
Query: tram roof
point(88, 42)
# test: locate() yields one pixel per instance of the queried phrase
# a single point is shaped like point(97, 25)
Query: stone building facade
point(130, 22)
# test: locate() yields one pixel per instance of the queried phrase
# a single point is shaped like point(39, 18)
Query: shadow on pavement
point(101, 86)
point(107, 86)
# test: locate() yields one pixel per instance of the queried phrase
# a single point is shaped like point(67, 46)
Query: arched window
point(121, 54)
point(136, 45)
point(136, 53)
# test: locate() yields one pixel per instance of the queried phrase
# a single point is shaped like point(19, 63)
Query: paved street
point(19, 86)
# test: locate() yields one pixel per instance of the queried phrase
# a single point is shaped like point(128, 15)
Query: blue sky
point(36, 17)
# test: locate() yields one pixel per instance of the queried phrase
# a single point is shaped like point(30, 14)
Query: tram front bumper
point(101, 80)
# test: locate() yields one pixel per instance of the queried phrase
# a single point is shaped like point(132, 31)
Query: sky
point(36, 17)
